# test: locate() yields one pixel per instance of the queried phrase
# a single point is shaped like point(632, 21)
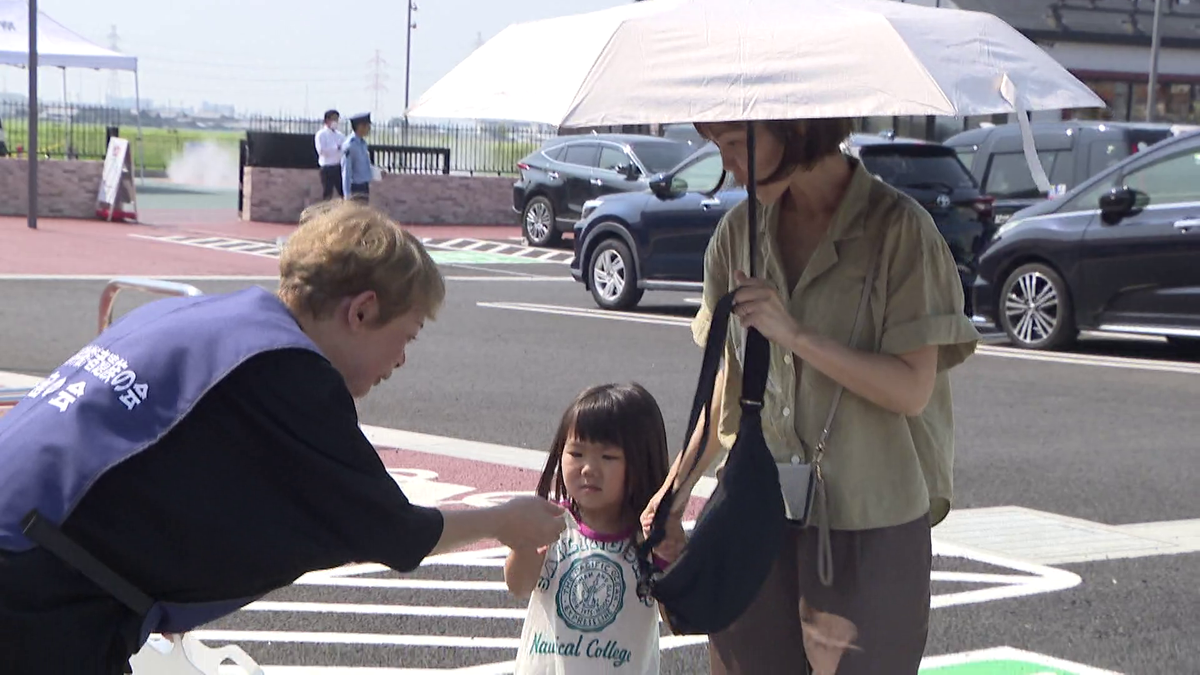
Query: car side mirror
point(1120, 203)
point(629, 170)
point(660, 185)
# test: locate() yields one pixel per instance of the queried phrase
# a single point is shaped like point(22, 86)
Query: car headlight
point(1007, 226)
point(589, 206)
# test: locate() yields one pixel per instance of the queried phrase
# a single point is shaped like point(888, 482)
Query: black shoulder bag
point(740, 532)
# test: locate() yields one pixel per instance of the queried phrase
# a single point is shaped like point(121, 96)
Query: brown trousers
point(878, 603)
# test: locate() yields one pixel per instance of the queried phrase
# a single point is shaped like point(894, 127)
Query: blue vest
point(118, 396)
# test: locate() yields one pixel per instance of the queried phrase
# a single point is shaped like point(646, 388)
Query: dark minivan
point(1070, 151)
point(1119, 253)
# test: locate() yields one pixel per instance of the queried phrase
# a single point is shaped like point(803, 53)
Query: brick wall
point(279, 195)
point(66, 188)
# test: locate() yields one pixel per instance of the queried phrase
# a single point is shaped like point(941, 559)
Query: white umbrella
point(665, 61)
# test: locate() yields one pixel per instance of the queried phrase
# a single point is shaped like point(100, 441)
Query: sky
point(297, 57)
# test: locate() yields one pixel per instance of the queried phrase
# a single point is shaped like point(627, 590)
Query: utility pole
point(378, 77)
point(32, 142)
point(1152, 87)
point(114, 79)
point(412, 7)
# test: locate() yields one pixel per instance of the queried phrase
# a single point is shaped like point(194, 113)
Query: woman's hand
point(677, 507)
point(758, 305)
point(672, 546)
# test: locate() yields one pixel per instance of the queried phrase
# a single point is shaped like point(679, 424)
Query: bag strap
point(714, 345)
point(855, 332)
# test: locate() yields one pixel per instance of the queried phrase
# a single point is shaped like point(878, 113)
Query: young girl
point(608, 458)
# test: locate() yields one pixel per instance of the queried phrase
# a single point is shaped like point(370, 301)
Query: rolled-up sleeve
point(716, 279)
point(924, 293)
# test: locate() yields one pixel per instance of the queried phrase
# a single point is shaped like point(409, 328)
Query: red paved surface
point(98, 247)
point(483, 476)
point(62, 246)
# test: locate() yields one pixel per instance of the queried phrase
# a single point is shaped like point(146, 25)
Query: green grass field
point(55, 138)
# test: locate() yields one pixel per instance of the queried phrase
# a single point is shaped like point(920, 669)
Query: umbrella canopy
point(672, 61)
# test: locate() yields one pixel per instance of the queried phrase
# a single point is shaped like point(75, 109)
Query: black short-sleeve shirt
point(267, 478)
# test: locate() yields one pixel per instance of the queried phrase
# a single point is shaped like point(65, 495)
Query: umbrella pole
point(752, 194)
point(31, 142)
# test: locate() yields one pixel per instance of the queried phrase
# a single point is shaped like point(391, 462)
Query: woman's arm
point(522, 569)
point(520, 523)
point(900, 383)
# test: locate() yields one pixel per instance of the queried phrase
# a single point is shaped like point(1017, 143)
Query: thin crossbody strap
point(855, 332)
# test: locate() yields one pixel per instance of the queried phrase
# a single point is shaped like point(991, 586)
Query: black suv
point(569, 170)
point(1071, 152)
point(655, 240)
point(1119, 253)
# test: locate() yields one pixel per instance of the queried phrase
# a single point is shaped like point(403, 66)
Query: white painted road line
point(656, 319)
point(387, 610)
point(1051, 539)
point(1181, 367)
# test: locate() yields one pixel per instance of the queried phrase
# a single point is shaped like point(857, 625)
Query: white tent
point(59, 47)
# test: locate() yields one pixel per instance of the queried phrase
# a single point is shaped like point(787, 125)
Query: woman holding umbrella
point(860, 597)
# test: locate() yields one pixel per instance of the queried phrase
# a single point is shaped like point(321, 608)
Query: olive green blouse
point(881, 468)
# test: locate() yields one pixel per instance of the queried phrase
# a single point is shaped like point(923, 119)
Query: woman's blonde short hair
point(343, 248)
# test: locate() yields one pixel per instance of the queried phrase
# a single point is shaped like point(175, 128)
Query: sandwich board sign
point(117, 197)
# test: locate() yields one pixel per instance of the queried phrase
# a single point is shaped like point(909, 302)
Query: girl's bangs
point(598, 420)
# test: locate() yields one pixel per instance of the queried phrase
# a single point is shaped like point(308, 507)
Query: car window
point(1008, 175)
point(554, 153)
point(660, 157)
point(611, 158)
point(1173, 180)
point(703, 175)
point(916, 167)
point(1089, 199)
point(966, 156)
point(1104, 154)
point(583, 154)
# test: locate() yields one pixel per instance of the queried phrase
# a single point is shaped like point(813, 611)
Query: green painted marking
point(1005, 661)
point(479, 258)
point(998, 667)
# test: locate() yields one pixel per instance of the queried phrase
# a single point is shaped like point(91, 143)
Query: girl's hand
point(758, 305)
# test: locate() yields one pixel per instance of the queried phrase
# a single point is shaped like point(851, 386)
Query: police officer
point(356, 160)
point(202, 452)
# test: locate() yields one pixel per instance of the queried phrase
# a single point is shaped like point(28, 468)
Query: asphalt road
point(1108, 441)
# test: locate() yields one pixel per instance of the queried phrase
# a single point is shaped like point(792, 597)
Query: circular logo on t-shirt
point(591, 593)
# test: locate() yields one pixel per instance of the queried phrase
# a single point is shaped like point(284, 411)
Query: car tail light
point(984, 206)
point(522, 166)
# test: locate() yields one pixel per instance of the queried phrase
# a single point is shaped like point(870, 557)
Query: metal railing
point(10, 397)
point(410, 159)
point(108, 298)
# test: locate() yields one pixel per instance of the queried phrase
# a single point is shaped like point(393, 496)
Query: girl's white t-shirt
point(584, 614)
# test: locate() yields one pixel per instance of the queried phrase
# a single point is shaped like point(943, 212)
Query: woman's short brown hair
point(805, 142)
point(343, 248)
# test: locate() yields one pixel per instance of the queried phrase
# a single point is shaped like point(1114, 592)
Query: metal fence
point(483, 148)
point(64, 131)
